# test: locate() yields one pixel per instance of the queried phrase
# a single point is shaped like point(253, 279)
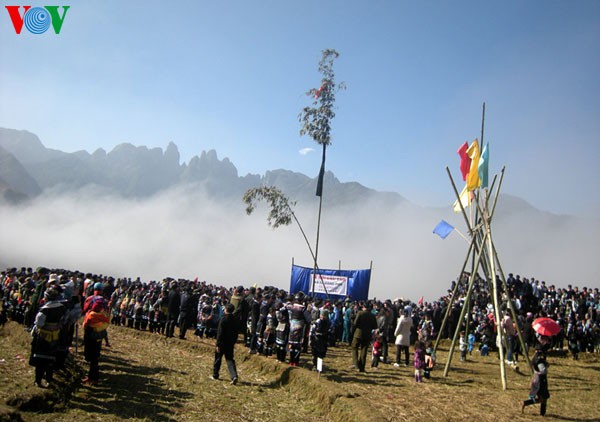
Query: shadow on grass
point(574, 379)
point(367, 377)
point(566, 418)
point(280, 381)
point(130, 391)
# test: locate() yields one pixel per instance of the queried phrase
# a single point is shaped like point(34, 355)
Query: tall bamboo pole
point(502, 276)
point(453, 296)
point(319, 216)
point(482, 123)
point(495, 299)
point(472, 243)
point(462, 209)
point(462, 315)
point(513, 313)
point(491, 261)
point(482, 245)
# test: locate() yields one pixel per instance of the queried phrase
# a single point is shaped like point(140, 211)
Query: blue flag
point(443, 229)
point(483, 166)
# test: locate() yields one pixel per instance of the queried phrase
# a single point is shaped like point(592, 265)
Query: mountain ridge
point(139, 171)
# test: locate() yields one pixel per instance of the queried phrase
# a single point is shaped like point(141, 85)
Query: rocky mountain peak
point(172, 154)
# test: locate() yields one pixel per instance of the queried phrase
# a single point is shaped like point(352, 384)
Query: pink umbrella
point(546, 327)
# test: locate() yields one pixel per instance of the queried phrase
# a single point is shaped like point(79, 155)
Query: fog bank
point(183, 234)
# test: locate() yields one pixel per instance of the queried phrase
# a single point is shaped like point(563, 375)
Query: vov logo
point(37, 20)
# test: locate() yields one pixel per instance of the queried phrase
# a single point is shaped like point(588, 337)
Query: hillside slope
point(147, 377)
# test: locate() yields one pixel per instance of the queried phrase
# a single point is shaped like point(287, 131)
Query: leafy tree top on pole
point(316, 119)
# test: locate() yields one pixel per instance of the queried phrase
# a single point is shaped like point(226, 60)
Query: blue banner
point(338, 284)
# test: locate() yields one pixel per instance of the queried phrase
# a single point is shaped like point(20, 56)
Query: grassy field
point(147, 377)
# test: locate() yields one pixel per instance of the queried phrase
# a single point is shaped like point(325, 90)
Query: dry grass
point(146, 377)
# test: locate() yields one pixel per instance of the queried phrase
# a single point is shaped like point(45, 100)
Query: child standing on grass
point(462, 346)
point(419, 361)
point(470, 343)
point(377, 350)
point(429, 359)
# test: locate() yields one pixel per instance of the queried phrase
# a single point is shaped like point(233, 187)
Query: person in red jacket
point(95, 322)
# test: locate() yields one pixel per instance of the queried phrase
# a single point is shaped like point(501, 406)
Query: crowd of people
point(275, 323)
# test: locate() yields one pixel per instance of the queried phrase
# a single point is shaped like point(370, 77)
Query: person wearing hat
point(319, 336)
point(227, 332)
point(96, 296)
point(46, 335)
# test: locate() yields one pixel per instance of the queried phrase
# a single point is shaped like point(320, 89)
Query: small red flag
point(465, 160)
point(321, 88)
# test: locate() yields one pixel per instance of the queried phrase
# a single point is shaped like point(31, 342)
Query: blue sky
point(231, 76)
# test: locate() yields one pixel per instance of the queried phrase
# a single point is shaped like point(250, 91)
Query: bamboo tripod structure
point(483, 256)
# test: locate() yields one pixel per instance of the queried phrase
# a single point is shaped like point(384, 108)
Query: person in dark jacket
point(319, 336)
point(282, 331)
point(174, 304)
point(254, 317)
point(364, 324)
point(186, 312)
point(227, 332)
point(538, 392)
point(298, 321)
point(241, 307)
point(46, 334)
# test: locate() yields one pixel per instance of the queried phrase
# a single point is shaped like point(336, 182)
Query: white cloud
point(305, 151)
point(170, 235)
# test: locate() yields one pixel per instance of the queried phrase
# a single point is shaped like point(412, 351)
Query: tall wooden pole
point(471, 246)
point(484, 255)
point(491, 262)
point(513, 312)
point(453, 296)
point(495, 297)
point(462, 312)
point(322, 181)
point(482, 124)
